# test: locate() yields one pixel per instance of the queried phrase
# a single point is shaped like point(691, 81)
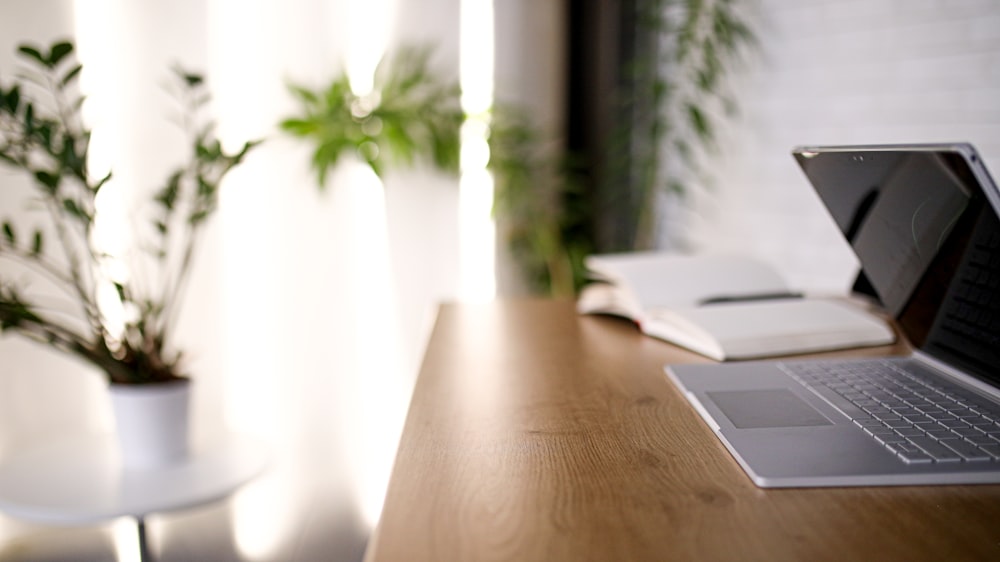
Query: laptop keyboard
point(919, 418)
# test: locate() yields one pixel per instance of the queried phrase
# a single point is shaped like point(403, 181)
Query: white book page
point(658, 279)
point(759, 329)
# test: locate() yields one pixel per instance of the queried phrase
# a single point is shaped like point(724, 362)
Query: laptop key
point(914, 457)
point(967, 432)
point(980, 440)
point(941, 434)
point(991, 450)
point(935, 449)
point(966, 450)
point(880, 430)
point(911, 431)
point(890, 438)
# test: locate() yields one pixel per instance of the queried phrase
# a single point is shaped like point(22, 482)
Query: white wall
point(843, 72)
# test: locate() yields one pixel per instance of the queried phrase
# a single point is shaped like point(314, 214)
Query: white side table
point(79, 481)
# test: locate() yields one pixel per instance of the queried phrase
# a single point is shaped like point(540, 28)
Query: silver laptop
point(923, 221)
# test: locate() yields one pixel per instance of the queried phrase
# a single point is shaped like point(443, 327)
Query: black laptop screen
point(927, 239)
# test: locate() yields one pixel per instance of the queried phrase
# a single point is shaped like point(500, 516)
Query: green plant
point(678, 96)
point(541, 197)
point(531, 187)
point(669, 97)
point(411, 114)
point(42, 135)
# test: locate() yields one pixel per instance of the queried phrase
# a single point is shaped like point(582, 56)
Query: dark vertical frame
point(610, 111)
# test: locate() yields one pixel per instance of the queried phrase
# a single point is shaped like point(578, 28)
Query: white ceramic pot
point(151, 422)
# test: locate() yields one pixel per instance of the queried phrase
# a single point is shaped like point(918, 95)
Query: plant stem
point(88, 301)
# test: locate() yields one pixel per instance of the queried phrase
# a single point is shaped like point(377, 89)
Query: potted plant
point(129, 340)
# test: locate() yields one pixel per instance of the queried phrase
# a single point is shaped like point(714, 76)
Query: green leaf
point(51, 181)
point(243, 151)
point(59, 51)
point(36, 246)
point(676, 187)
point(14, 311)
point(8, 233)
point(13, 98)
point(198, 217)
point(33, 53)
point(73, 208)
point(167, 197)
point(97, 187)
point(299, 127)
point(205, 188)
point(45, 132)
point(121, 292)
point(71, 75)
point(190, 79)
point(29, 119)
point(699, 122)
point(67, 156)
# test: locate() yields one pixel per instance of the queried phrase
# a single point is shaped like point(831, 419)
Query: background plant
point(555, 206)
point(670, 98)
point(410, 114)
point(415, 114)
point(673, 98)
point(533, 181)
point(43, 136)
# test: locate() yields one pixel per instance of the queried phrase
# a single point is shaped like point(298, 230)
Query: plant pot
point(151, 422)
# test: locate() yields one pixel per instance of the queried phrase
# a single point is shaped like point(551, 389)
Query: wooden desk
point(536, 434)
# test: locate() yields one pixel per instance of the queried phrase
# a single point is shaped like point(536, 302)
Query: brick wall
point(841, 72)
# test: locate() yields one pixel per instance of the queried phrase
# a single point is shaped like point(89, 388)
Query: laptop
point(923, 222)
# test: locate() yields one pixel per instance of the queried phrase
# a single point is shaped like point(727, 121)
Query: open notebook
point(724, 306)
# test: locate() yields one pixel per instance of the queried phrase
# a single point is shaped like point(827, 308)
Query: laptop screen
point(927, 238)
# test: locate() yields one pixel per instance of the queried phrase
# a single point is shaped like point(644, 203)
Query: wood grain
point(537, 434)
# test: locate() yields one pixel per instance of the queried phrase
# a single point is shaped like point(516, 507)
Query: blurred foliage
point(410, 114)
point(533, 180)
point(672, 89)
point(671, 99)
point(44, 137)
point(679, 94)
point(413, 113)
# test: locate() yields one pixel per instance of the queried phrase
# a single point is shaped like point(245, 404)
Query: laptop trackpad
point(778, 407)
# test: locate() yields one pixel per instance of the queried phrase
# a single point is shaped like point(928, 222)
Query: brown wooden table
point(537, 434)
